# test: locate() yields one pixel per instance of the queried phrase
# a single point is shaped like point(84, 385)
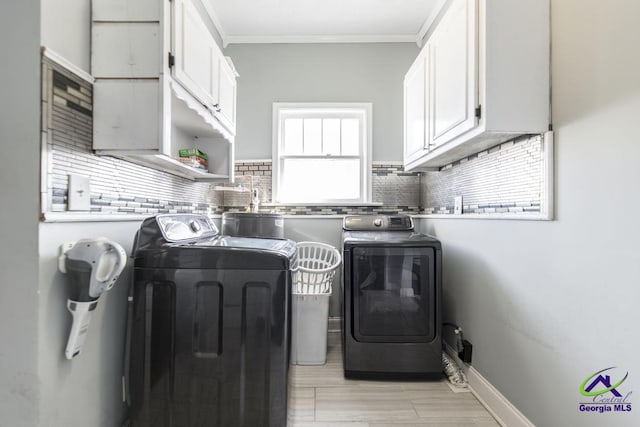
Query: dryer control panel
point(377, 222)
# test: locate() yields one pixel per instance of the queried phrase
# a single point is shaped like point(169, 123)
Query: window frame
point(363, 110)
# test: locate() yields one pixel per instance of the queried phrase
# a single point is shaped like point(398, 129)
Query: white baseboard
point(335, 323)
point(499, 406)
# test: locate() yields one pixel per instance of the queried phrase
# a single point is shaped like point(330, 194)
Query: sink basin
point(253, 224)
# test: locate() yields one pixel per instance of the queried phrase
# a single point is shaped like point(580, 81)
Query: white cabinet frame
point(498, 88)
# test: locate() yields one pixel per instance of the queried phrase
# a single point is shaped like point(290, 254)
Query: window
point(321, 153)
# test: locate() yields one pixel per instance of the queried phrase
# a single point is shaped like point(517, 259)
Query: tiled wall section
point(245, 172)
point(392, 186)
point(394, 191)
point(117, 186)
point(506, 179)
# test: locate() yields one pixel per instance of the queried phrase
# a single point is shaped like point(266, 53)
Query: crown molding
point(373, 38)
point(430, 20)
point(216, 22)
point(394, 38)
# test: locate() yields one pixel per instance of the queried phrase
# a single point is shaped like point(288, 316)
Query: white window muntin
point(323, 111)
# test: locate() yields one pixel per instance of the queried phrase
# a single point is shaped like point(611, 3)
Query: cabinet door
point(415, 131)
point(452, 74)
point(195, 53)
point(126, 10)
point(126, 115)
point(125, 50)
point(226, 94)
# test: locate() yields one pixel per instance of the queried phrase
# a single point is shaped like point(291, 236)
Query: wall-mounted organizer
point(162, 85)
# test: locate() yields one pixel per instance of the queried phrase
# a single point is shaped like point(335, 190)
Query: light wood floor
point(320, 396)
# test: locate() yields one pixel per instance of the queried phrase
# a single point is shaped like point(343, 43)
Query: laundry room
point(305, 213)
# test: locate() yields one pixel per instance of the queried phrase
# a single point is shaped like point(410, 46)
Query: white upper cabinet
point(452, 80)
point(200, 66)
point(415, 131)
point(486, 70)
point(226, 108)
point(161, 84)
point(195, 53)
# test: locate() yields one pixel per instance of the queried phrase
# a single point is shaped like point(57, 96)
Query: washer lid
point(170, 241)
point(221, 253)
point(240, 243)
point(388, 239)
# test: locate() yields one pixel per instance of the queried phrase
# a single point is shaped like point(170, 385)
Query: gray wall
point(325, 230)
point(86, 391)
point(546, 304)
point(66, 28)
point(38, 386)
point(20, 138)
point(317, 73)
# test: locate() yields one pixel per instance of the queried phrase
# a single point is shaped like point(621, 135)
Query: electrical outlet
point(79, 194)
point(467, 351)
point(457, 205)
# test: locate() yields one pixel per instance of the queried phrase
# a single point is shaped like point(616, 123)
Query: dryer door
point(393, 294)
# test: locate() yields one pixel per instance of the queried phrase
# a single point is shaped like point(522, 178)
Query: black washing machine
point(210, 332)
point(392, 291)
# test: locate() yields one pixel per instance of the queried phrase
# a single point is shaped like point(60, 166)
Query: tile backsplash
point(117, 186)
point(508, 178)
point(394, 191)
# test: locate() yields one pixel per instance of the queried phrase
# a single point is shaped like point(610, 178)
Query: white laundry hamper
point(312, 279)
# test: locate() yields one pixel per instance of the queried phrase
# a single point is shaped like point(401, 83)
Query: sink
point(253, 224)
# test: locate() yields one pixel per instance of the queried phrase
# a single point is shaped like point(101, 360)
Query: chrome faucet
point(254, 205)
point(254, 201)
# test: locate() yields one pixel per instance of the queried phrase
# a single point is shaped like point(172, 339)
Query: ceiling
point(312, 21)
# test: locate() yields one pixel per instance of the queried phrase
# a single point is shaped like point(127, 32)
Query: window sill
point(376, 204)
point(491, 216)
point(90, 217)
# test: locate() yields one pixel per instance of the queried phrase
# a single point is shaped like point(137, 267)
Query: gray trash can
point(312, 279)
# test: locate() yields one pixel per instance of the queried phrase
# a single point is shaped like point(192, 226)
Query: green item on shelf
point(188, 152)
